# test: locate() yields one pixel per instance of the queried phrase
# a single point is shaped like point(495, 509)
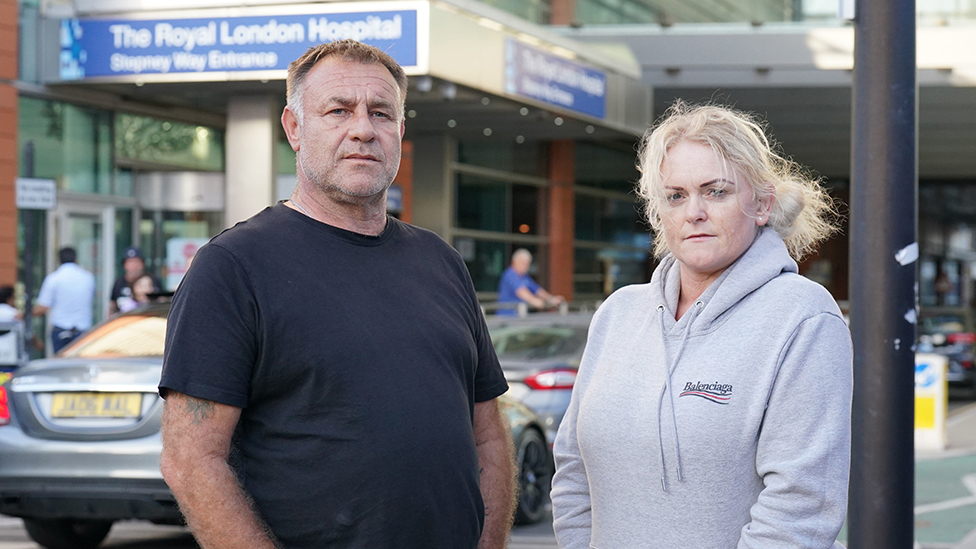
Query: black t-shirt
point(357, 361)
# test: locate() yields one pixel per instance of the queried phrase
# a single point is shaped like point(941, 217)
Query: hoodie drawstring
point(669, 370)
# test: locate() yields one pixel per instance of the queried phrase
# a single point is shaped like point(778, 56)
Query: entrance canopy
point(474, 70)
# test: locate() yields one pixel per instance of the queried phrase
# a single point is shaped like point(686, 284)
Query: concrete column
point(562, 217)
point(253, 123)
point(433, 184)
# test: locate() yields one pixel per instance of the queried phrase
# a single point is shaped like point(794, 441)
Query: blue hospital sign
point(136, 48)
point(539, 75)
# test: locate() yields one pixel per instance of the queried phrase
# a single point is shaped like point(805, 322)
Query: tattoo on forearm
point(201, 409)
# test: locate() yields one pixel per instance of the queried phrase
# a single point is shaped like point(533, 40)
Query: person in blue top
point(516, 286)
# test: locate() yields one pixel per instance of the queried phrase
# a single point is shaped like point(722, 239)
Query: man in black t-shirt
point(329, 378)
point(133, 267)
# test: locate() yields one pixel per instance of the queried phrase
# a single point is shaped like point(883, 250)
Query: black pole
point(28, 170)
point(884, 214)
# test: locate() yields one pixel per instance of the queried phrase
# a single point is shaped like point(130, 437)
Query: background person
point(8, 313)
point(67, 294)
point(712, 407)
point(516, 286)
point(141, 288)
point(329, 378)
point(133, 267)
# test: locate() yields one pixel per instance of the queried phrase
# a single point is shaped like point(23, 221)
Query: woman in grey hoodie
point(712, 405)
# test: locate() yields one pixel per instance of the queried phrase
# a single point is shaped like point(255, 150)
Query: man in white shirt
point(67, 294)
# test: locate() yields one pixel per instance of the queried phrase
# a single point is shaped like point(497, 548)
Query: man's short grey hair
point(523, 253)
point(349, 50)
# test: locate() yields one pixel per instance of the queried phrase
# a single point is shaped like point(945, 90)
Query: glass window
point(598, 272)
point(481, 203)
point(610, 168)
point(523, 159)
point(609, 220)
point(148, 139)
point(71, 144)
point(587, 273)
point(170, 239)
point(525, 209)
point(594, 12)
point(30, 17)
point(601, 12)
point(536, 11)
point(485, 260)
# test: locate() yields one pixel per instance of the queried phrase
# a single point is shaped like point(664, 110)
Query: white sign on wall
point(36, 194)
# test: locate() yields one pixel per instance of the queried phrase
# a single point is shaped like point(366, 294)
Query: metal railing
point(522, 308)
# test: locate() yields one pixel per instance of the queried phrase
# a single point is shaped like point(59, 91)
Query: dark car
point(951, 332)
point(540, 354)
point(80, 443)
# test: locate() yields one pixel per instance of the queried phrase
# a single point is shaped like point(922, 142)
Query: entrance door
point(90, 229)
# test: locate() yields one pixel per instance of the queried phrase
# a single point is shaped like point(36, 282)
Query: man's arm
point(496, 458)
point(541, 299)
point(527, 296)
point(551, 300)
point(196, 443)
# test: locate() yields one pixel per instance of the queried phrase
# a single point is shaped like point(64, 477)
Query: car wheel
point(67, 533)
point(535, 473)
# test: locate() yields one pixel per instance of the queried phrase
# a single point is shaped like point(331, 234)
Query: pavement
point(945, 487)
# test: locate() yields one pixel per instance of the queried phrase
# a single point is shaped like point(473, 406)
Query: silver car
point(540, 354)
point(79, 435)
point(80, 443)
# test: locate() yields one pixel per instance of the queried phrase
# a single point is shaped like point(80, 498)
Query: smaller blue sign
point(925, 376)
point(533, 73)
point(394, 199)
point(93, 48)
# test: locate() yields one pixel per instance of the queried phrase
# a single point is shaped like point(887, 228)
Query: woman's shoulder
point(623, 304)
point(800, 294)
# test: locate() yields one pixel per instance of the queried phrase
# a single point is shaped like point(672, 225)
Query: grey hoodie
point(727, 428)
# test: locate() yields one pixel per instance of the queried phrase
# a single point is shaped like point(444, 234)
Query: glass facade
point(526, 159)
point(947, 241)
point(71, 145)
point(500, 206)
point(175, 144)
point(612, 242)
point(666, 12)
point(537, 11)
point(95, 157)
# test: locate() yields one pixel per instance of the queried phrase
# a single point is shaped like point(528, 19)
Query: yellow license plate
point(96, 405)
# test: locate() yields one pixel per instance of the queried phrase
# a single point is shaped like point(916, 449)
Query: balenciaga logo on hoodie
point(719, 393)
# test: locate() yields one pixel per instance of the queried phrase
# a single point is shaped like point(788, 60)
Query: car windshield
point(537, 342)
point(136, 335)
point(944, 324)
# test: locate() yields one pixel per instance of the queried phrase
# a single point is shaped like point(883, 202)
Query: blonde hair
point(801, 211)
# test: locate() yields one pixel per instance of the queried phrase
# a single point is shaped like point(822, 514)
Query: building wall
point(8, 141)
